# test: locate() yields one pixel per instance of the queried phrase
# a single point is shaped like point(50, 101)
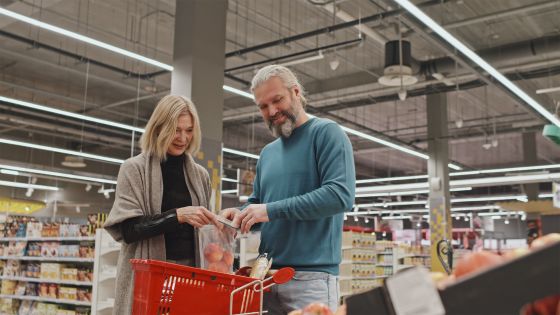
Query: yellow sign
point(17, 206)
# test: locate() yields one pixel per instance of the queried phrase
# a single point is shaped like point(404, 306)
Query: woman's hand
point(196, 216)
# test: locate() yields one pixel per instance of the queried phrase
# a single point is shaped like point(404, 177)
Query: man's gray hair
point(286, 75)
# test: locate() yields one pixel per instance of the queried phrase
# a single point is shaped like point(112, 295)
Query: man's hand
point(196, 216)
point(254, 213)
point(229, 213)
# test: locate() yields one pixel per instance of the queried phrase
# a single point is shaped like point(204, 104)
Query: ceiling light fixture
point(9, 172)
point(464, 173)
point(404, 193)
point(474, 182)
point(319, 56)
point(56, 174)
point(68, 114)
point(63, 151)
point(389, 144)
point(25, 185)
point(435, 27)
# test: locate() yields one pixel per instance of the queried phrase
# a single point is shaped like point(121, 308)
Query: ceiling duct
point(398, 71)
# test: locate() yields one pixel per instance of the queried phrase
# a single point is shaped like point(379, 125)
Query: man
point(305, 181)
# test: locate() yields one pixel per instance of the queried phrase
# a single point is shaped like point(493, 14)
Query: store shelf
point(413, 255)
point(60, 259)
point(385, 253)
point(384, 265)
point(104, 276)
point(47, 239)
point(362, 278)
point(357, 262)
point(43, 299)
point(39, 280)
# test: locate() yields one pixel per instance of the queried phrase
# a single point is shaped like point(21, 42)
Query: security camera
point(402, 94)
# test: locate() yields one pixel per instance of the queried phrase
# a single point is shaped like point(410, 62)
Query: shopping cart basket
point(164, 288)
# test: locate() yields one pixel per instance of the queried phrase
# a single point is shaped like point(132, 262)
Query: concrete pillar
point(198, 73)
point(438, 175)
point(530, 158)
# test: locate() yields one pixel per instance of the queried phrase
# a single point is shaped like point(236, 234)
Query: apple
point(218, 266)
point(228, 258)
point(213, 252)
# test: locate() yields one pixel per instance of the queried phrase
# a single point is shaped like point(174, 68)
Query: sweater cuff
point(276, 210)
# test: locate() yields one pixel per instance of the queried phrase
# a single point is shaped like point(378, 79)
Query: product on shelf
point(12, 268)
point(67, 293)
point(34, 229)
point(8, 306)
point(8, 287)
point(50, 271)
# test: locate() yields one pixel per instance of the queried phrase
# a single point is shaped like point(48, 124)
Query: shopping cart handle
point(283, 275)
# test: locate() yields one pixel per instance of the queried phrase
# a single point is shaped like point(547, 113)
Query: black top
point(179, 242)
point(179, 238)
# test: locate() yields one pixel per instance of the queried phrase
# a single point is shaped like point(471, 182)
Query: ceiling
point(520, 38)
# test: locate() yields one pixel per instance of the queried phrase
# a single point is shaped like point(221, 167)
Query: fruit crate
point(502, 289)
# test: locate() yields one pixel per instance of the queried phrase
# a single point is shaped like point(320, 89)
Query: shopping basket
point(164, 288)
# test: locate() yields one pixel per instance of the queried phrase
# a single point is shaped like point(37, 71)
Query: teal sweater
point(307, 182)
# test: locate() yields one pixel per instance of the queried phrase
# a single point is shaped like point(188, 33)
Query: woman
point(162, 195)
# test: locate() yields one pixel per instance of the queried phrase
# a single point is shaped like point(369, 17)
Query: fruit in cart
point(219, 266)
point(546, 240)
point(475, 262)
point(228, 258)
point(213, 252)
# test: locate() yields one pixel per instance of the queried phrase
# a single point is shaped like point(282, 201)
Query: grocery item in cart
point(216, 248)
point(260, 267)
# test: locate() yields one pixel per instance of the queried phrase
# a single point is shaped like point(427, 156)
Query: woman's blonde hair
point(162, 126)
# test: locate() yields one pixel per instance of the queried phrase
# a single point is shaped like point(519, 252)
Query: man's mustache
point(286, 113)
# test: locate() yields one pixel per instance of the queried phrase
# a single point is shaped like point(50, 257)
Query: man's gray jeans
point(306, 287)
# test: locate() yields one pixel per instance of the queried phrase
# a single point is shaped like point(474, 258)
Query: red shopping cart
point(164, 288)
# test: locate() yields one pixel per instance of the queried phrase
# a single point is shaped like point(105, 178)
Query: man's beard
point(287, 127)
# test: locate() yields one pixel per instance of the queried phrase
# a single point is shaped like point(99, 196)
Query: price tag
point(414, 293)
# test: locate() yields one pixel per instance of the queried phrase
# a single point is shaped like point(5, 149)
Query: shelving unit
point(27, 276)
point(104, 273)
point(40, 280)
point(43, 299)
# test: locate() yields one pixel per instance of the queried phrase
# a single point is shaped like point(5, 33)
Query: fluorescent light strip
point(63, 151)
point(231, 191)
point(9, 172)
point(550, 195)
point(379, 180)
point(24, 185)
point(237, 152)
point(410, 192)
point(83, 38)
point(56, 174)
point(69, 114)
point(454, 200)
point(421, 16)
point(389, 144)
point(238, 92)
point(505, 170)
point(466, 173)
point(488, 181)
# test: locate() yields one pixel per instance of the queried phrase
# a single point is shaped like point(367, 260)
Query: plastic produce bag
point(216, 248)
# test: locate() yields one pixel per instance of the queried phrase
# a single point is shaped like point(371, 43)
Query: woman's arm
point(147, 226)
